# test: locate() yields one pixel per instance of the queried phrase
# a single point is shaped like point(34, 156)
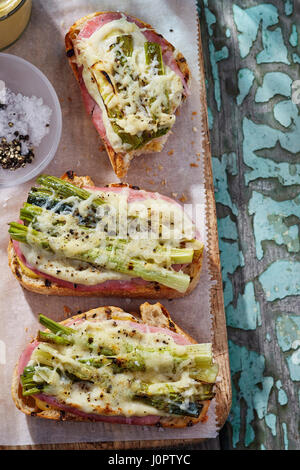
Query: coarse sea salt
point(29, 116)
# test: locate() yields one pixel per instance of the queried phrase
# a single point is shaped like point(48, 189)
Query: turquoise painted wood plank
point(252, 64)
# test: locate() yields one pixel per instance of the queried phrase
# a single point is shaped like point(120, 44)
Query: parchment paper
point(169, 172)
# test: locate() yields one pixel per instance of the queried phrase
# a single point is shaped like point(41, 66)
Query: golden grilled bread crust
point(154, 315)
point(118, 161)
point(152, 290)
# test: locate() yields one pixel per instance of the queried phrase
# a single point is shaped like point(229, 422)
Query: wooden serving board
point(220, 346)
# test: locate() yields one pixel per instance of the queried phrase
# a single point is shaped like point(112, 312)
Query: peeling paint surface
point(245, 81)
point(246, 314)
point(273, 83)
point(282, 396)
point(252, 58)
point(253, 388)
point(221, 169)
point(288, 331)
point(293, 39)
point(270, 222)
point(277, 286)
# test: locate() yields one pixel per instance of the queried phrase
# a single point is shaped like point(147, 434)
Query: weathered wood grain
point(265, 413)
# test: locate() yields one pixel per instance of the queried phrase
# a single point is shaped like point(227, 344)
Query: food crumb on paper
point(67, 311)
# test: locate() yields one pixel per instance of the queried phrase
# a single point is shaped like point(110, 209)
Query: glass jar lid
point(8, 6)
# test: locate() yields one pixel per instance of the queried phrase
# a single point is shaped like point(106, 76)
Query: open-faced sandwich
point(108, 365)
point(132, 82)
point(76, 239)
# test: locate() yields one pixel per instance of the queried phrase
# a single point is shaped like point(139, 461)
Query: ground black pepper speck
point(11, 157)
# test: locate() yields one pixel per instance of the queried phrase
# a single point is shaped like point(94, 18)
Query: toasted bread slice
point(121, 161)
point(151, 290)
point(152, 315)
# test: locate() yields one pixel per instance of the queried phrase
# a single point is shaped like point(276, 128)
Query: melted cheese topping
point(146, 100)
point(150, 229)
point(154, 361)
point(69, 270)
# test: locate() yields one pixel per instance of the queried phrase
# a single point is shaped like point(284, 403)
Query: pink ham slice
point(52, 401)
point(97, 22)
point(133, 196)
point(93, 25)
point(143, 420)
point(25, 356)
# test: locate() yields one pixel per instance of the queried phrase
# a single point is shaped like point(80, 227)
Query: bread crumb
point(198, 154)
point(163, 182)
point(194, 164)
point(183, 198)
point(170, 152)
point(195, 129)
point(151, 182)
point(194, 113)
point(67, 311)
point(174, 194)
point(160, 167)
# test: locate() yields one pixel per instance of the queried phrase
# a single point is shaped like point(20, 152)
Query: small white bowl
point(22, 77)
